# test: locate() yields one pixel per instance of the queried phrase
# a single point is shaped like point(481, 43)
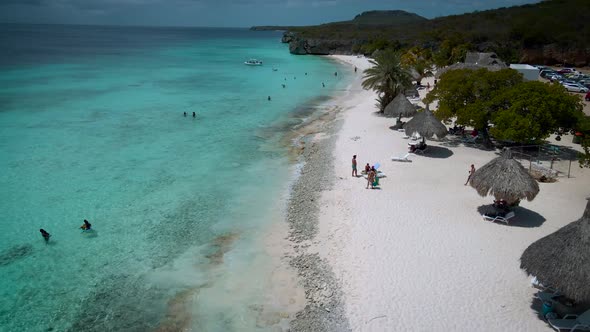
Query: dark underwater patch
point(15, 253)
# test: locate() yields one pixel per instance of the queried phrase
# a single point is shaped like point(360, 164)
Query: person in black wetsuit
point(45, 235)
point(87, 226)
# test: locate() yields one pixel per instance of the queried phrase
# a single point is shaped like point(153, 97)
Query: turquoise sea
point(92, 127)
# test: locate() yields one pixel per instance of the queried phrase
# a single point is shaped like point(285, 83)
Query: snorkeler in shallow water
point(45, 235)
point(87, 226)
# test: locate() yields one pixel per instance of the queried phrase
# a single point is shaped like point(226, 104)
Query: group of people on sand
point(370, 171)
point(87, 226)
point(373, 179)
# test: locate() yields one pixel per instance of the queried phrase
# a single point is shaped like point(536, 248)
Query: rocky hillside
point(549, 32)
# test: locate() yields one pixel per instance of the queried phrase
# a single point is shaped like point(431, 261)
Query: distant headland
point(549, 32)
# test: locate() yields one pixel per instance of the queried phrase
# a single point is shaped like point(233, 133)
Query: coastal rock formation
point(298, 45)
point(288, 36)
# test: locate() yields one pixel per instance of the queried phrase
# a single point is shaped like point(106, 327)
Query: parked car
point(575, 87)
point(566, 70)
point(547, 73)
point(587, 96)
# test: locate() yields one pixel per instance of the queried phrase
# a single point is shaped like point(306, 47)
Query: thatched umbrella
point(426, 124)
point(505, 178)
point(400, 107)
point(562, 259)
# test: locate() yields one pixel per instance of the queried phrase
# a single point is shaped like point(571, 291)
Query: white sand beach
point(415, 254)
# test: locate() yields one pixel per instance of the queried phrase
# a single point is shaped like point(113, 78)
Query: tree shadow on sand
point(433, 151)
point(456, 141)
point(523, 216)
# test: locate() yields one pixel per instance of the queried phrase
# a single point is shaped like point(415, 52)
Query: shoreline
point(314, 141)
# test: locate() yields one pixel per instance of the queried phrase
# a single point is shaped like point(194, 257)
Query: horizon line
point(130, 25)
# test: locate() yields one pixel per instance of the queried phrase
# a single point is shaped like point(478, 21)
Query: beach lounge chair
point(549, 295)
point(402, 159)
point(471, 139)
point(505, 219)
point(572, 322)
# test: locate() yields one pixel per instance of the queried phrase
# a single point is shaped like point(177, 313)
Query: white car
point(575, 88)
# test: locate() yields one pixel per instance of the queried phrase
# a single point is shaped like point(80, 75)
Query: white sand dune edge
point(415, 255)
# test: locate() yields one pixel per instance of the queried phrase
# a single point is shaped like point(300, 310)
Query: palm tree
point(424, 69)
point(420, 60)
point(387, 76)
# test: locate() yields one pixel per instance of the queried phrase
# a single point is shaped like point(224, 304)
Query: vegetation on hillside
point(507, 31)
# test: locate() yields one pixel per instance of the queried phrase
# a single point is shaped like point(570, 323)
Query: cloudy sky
point(224, 13)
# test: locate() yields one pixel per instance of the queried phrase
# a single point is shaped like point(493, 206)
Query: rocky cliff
point(318, 46)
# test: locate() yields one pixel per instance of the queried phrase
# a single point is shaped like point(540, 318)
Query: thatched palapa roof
point(562, 259)
point(505, 178)
point(471, 66)
point(475, 61)
point(400, 106)
point(426, 124)
point(484, 59)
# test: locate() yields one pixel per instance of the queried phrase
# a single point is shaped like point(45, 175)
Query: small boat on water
point(253, 62)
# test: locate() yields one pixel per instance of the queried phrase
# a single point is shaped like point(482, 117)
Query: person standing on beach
point(355, 69)
point(471, 171)
point(371, 178)
point(354, 173)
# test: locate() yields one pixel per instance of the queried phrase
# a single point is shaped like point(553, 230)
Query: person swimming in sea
point(87, 226)
point(194, 115)
point(45, 235)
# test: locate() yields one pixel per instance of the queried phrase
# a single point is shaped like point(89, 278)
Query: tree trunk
point(487, 141)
